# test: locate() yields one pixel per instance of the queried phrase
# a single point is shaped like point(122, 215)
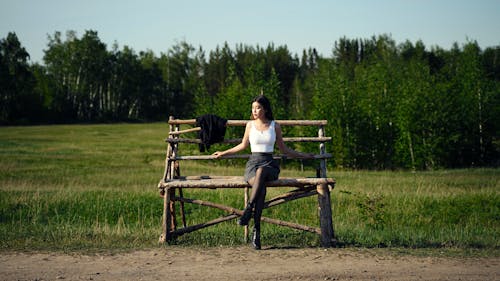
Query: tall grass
point(94, 187)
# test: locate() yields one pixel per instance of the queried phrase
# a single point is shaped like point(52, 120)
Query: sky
point(158, 25)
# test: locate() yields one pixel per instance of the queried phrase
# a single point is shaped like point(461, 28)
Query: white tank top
point(262, 141)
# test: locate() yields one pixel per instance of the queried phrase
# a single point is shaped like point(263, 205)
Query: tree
point(303, 86)
point(124, 85)
point(491, 100)
point(79, 68)
point(182, 74)
point(18, 100)
point(414, 113)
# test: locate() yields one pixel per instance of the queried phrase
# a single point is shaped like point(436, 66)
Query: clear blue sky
point(158, 25)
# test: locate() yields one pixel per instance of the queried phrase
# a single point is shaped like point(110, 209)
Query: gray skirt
point(258, 160)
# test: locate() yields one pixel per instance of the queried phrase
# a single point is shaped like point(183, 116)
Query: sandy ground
point(244, 263)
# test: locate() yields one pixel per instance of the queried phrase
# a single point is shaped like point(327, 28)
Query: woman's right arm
point(245, 142)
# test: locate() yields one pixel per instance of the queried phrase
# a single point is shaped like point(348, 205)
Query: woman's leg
point(259, 206)
point(258, 187)
point(258, 184)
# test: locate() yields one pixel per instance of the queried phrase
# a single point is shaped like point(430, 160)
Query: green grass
point(93, 187)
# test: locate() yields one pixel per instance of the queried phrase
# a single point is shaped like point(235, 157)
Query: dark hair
point(264, 102)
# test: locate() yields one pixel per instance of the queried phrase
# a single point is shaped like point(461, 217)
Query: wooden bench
point(172, 183)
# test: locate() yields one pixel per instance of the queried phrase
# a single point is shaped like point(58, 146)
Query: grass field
point(93, 187)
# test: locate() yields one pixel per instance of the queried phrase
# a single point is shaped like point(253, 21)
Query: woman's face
point(258, 111)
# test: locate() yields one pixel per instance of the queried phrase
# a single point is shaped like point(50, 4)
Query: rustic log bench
point(172, 183)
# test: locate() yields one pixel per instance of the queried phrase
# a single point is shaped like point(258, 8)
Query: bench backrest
point(177, 136)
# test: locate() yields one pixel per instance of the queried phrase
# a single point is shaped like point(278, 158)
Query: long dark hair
point(264, 102)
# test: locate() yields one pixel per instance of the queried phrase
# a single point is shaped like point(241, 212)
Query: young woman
point(261, 134)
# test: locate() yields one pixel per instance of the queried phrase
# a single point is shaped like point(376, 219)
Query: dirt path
point(243, 263)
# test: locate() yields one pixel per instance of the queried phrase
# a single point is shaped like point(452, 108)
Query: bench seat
point(239, 182)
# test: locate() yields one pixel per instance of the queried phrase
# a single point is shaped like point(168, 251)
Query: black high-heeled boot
point(256, 238)
point(247, 214)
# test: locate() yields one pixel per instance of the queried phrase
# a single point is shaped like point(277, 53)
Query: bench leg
point(325, 217)
point(167, 217)
point(245, 204)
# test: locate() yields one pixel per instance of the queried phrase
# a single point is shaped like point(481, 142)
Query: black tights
point(258, 194)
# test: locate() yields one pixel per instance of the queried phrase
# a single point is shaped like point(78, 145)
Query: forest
point(389, 105)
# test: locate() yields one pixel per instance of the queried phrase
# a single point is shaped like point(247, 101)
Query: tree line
point(388, 105)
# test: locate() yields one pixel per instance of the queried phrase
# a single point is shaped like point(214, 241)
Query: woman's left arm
point(285, 149)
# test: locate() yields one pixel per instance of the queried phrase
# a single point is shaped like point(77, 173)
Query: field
point(92, 188)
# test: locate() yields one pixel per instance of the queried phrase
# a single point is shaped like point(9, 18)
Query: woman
point(261, 134)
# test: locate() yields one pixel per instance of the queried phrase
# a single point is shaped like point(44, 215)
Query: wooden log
point(173, 121)
point(173, 220)
point(245, 200)
point(167, 218)
point(183, 213)
point(181, 231)
point(243, 156)
point(209, 177)
point(291, 225)
point(195, 129)
point(241, 183)
point(322, 150)
point(325, 217)
point(177, 175)
point(168, 162)
point(299, 190)
point(166, 221)
point(174, 172)
point(166, 176)
point(288, 197)
point(210, 204)
point(238, 140)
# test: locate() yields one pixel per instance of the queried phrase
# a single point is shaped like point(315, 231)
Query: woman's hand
point(218, 154)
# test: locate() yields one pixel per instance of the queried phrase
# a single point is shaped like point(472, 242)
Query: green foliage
point(371, 209)
point(405, 107)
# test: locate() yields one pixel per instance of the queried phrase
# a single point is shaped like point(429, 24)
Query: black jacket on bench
point(213, 129)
